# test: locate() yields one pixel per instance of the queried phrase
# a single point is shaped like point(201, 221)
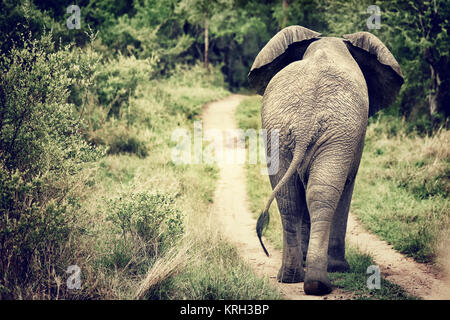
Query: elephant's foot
point(317, 283)
point(317, 288)
point(337, 265)
point(291, 275)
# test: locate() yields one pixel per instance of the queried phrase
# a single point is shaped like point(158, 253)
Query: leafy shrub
point(119, 138)
point(188, 88)
point(197, 75)
point(118, 79)
point(144, 225)
point(82, 66)
point(423, 125)
point(124, 142)
point(41, 154)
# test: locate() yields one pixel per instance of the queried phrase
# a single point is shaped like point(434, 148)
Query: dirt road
point(232, 211)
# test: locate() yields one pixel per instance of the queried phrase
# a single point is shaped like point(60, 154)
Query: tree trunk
point(434, 92)
point(206, 42)
point(230, 51)
point(285, 13)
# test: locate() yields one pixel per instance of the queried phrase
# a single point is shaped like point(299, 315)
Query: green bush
point(197, 76)
point(125, 142)
point(188, 88)
point(118, 79)
point(41, 154)
point(82, 67)
point(144, 225)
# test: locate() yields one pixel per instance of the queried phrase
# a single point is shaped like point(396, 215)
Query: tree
point(202, 13)
point(285, 5)
point(417, 33)
point(422, 27)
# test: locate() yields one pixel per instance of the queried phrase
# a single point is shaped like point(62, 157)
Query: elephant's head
point(379, 67)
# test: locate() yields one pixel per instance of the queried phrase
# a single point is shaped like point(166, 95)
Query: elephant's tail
point(263, 219)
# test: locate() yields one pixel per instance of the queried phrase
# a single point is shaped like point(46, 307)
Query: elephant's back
point(303, 89)
point(309, 102)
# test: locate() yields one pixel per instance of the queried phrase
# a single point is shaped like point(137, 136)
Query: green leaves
point(149, 218)
point(41, 155)
point(416, 32)
point(118, 79)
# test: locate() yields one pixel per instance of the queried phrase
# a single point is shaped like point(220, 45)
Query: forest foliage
point(134, 70)
point(176, 31)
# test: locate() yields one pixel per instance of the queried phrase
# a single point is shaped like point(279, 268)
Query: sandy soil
point(232, 211)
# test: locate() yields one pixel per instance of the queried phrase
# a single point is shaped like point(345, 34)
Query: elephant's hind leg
point(324, 189)
point(292, 205)
point(336, 247)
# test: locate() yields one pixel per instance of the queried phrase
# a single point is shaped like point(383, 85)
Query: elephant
point(318, 93)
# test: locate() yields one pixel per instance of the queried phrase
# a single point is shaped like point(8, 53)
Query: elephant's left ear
point(381, 71)
point(285, 47)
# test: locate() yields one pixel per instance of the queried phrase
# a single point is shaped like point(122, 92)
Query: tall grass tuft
point(172, 263)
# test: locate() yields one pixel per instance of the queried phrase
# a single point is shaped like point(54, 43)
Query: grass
point(217, 273)
point(356, 279)
point(201, 265)
point(402, 188)
point(259, 189)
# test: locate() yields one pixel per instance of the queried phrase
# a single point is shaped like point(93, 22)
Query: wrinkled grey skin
point(320, 106)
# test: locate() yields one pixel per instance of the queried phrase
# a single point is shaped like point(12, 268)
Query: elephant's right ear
point(379, 67)
point(285, 47)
